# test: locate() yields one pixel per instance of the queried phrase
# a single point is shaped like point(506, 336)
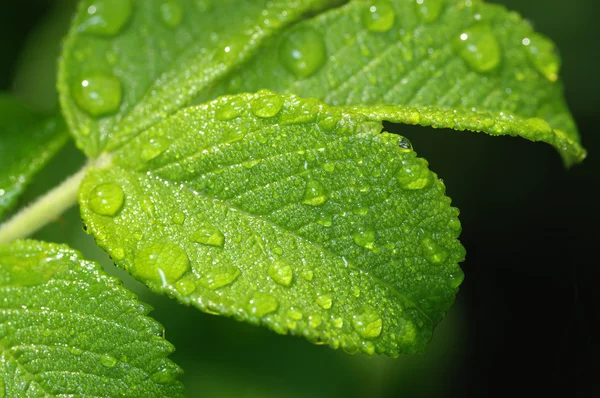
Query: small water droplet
point(218, 277)
point(429, 10)
point(209, 235)
point(267, 106)
point(314, 321)
point(433, 252)
point(154, 147)
point(454, 223)
point(251, 163)
point(414, 174)
point(75, 350)
point(479, 48)
point(294, 314)
point(185, 287)
point(315, 194)
point(356, 291)
point(360, 210)
point(262, 304)
point(302, 51)
point(98, 95)
point(307, 275)
point(108, 361)
point(543, 55)
point(147, 205)
point(106, 17)
point(368, 324)
point(178, 217)
point(379, 16)
point(404, 143)
point(281, 273)
point(539, 125)
point(118, 253)
point(106, 199)
point(456, 279)
point(325, 301)
point(162, 263)
point(164, 375)
point(338, 322)
point(325, 219)
point(329, 167)
point(171, 13)
point(230, 109)
point(365, 237)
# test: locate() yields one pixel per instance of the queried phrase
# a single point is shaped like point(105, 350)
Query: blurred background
point(525, 317)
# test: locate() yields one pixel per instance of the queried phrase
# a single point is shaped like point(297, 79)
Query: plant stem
point(43, 211)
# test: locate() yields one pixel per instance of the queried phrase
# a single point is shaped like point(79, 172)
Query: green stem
point(43, 211)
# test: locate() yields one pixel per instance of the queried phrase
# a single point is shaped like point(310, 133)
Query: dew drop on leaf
point(379, 16)
point(433, 252)
point(325, 301)
point(294, 314)
point(98, 95)
point(281, 273)
point(364, 237)
point(267, 106)
point(314, 321)
point(262, 304)
point(185, 287)
point(106, 199)
point(307, 275)
point(209, 235)
point(315, 194)
point(539, 125)
point(543, 55)
point(456, 279)
point(302, 52)
point(108, 361)
point(163, 375)
point(338, 322)
point(162, 263)
point(429, 10)
point(147, 205)
point(178, 217)
point(229, 110)
point(325, 219)
point(218, 277)
point(171, 12)
point(368, 323)
point(106, 17)
point(154, 147)
point(118, 253)
point(479, 48)
point(414, 174)
point(404, 143)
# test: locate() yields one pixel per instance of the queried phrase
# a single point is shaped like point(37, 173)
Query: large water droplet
point(404, 143)
point(209, 235)
point(281, 273)
point(414, 174)
point(364, 237)
point(429, 10)
point(230, 109)
point(479, 48)
point(171, 13)
point(543, 55)
point(324, 300)
point(262, 304)
point(108, 361)
point(379, 16)
point(368, 323)
point(162, 263)
point(302, 51)
point(267, 106)
point(98, 94)
point(106, 199)
point(218, 277)
point(315, 194)
point(433, 252)
point(154, 147)
point(106, 17)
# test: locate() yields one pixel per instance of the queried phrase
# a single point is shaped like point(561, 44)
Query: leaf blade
point(251, 221)
point(70, 329)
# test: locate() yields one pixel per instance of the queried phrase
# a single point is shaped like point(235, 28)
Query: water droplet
point(230, 109)
point(294, 314)
point(106, 17)
point(360, 210)
point(209, 235)
point(325, 301)
point(154, 147)
point(368, 324)
point(178, 217)
point(539, 125)
point(456, 279)
point(267, 106)
point(356, 291)
point(325, 219)
point(329, 167)
point(404, 143)
point(108, 361)
point(281, 273)
point(338, 322)
point(433, 252)
point(171, 13)
point(379, 17)
point(307, 275)
point(315, 194)
point(218, 277)
point(429, 10)
point(98, 95)
point(75, 350)
point(364, 237)
point(147, 205)
point(162, 263)
point(302, 51)
point(164, 375)
point(262, 304)
point(314, 321)
point(106, 199)
point(454, 223)
point(414, 174)
point(118, 253)
point(185, 287)
point(543, 55)
point(251, 163)
point(479, 48)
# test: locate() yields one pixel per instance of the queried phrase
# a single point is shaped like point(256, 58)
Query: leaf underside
point(283, 212)
point(27, 142)
point(67, 329)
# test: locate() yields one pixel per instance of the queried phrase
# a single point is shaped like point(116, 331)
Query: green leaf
point(451, 63)
point(27, 142)
point(67, 329)
point(283, 212)
point(127, 64)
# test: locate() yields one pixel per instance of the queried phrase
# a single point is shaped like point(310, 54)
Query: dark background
point(525, 318)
